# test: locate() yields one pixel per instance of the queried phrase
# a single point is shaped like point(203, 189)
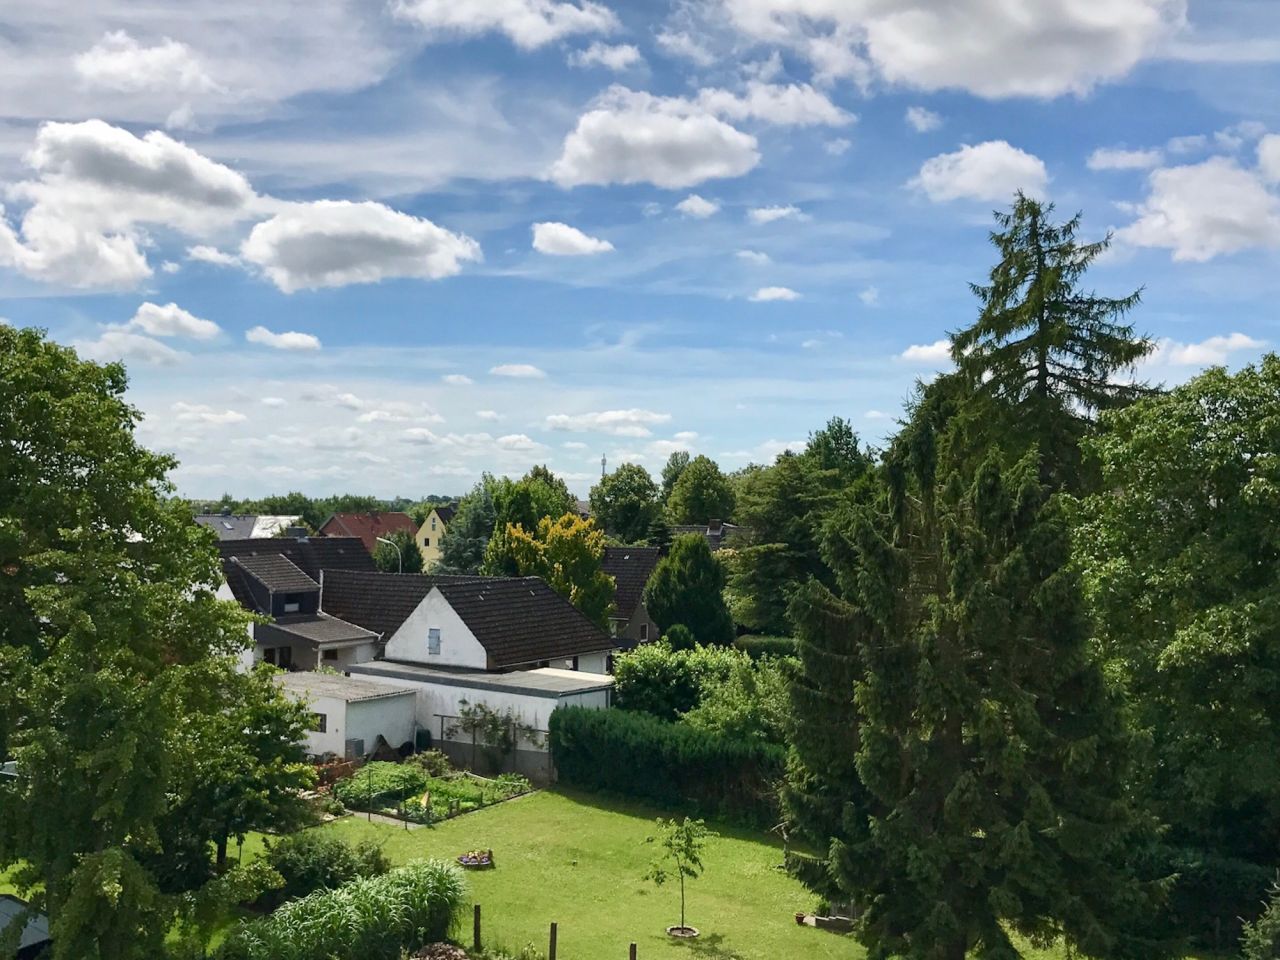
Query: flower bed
point(408, 791)
point(477, 859)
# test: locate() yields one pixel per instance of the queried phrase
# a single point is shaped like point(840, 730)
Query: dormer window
point(292, 603)
point(433, 641)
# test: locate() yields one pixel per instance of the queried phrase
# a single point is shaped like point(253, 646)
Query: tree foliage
point(700, 493)
point(625, 503)
point(403, 557)
point(687, 587)
point(682, 844)
point(463, 544)
point(567, 553)
point(671, 471)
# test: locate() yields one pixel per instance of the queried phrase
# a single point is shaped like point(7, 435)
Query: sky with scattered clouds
point(383, 246)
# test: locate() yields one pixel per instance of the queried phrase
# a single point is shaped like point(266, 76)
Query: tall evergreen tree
point(1053, 354)
point(687, 587)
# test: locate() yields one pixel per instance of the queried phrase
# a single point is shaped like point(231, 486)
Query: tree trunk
point(955, 950)
point(682, 900)
point(221, 861)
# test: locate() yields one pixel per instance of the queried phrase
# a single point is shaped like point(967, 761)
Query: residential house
point(280, 579)
point(510, 645)
point(718, 533)
point(34, 939)
point(243, 526)
point(350, 714)
point(368, 526)
point(432, 529)
point(631, 568)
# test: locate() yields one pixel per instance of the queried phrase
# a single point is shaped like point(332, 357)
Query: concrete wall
point(458, 645)
point(390, 717)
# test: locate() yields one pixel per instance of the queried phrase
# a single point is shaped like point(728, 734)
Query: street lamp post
point(399, 553)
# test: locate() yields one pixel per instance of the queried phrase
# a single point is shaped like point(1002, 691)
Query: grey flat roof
point(552, 684)
point(318, 628)
point(37, 929)
point(337, 686)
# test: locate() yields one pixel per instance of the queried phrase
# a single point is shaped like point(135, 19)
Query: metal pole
point(475, 927)
point(399, 553)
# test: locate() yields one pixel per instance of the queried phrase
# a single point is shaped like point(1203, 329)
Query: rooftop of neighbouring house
point(446, 512)
point(368, 526)
point(516, 619)
point(541, 682)
point(630, 568)
point(321, 629)
point(245, 526)
point(335, 686)
point(36, 931)
point(287, 564)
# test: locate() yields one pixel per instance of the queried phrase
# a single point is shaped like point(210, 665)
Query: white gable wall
point(458, 645)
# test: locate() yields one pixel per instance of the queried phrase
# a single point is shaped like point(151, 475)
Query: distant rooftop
point(543, 682)
point(35, 933)
point(337, 687)
point(242, 526)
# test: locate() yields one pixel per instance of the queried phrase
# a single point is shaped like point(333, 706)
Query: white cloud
point(875, 415)
point(349, 400)
point(116, 344)
point(937, 352)
point(517, 441)
point(562, 240)
point(1046, 50)
point(1187, 144)
point(681, 44)
point(290, 340)
point(768, 294)
point(618, 423)
point(753, 256)
point(169, 266)
point(870, 296)
point(792, 105)
point(770, 214)
point(615, 57)
point(274, 402)
point(488, 415)
point(574, 445)
point(332, 243)
point(697, 207)
point(1115, 158)
point(635, 137)
point(922, 119)
point(520, 371)
point(96, 188)
point(526, 23)
point(171, 320)
point(118, 62)
point(457, 380)
point(202, 413)
point(1209, 352)
point(1204, 210)
point(1269, 157)
point(207, 254)
point(993, 171)
point(838, 147)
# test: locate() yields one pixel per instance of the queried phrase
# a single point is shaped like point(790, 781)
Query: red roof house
point(368, 526)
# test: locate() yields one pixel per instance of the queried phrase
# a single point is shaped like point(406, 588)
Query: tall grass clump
point(369, 919)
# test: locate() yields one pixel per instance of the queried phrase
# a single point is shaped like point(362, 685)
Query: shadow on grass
point(709, 947)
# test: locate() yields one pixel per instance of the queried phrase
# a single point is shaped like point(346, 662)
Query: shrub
point(758, 645)
point(680, 637)
point(1261, 940)
point(751, 703)
point(433, 763)
point(369, 919)
point(1211, 897)
point(670, 764)
point(313, 860)
point(656, 679)
point(380, 784)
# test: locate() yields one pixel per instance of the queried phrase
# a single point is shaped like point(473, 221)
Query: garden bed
point(410, 791)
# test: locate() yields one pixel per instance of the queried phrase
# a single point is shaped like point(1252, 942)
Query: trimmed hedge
point(670, 764)
point(758, 645)
point(371, 919)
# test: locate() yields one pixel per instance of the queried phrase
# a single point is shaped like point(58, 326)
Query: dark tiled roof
point(368, 526)
point(228, 527)
point(446, 513)
point(716, 533)
point(277, 573)
point(516, 619)
point(630, 568)
point(318, 628)
point(309, 555)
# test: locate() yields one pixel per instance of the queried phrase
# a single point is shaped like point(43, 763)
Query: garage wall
point(390, 717)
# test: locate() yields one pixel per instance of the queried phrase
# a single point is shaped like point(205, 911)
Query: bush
point(751, 703)
point(671, 764)
point(369, 919)
point(1261, 940)
point(433, 763)
point(656, 679)
point(313, 860)
point(380, 784)
point(1212, 897)
point(757, 646)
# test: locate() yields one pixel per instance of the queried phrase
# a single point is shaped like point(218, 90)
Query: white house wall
point(458, 645)
point(390, 717)
point(333, 738)
point(250, 654)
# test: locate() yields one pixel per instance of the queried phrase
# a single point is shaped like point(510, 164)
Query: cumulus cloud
point(870, 296)
point(519, 371)
point(922, 119)
point(697, 207)
point(517, 442)
point(119, 344)
point(118, 62)
point(791, 105)
point(767, 294)
point(457, 379)
point(97, 187)
point(290, 340)
point(617, 57)
point(1209, 352)
point(1269, 157)
point(937, 352)
point(993, 171)
point(207, 254)
point(526, 23)
point(753, 256)
point(488, 415)
point(635, 137)
point(562, 240)
point(1115, 158)
point(331, 243)
point(202, 413)
point(618, 423)
point(171, 320)
point(274, 402)
point(770, 214)
point(1204, 210)
point(1047, 50)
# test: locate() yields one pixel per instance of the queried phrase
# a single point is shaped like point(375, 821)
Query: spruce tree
point(1050, 352)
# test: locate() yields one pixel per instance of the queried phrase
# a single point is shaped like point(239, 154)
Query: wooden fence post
point(633, 952)
point(551, 955)
point(475, 928)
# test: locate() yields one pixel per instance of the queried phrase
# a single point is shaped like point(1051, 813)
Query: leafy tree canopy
point(625, 503)
point(567, 554)
point(700, 494)
point(400, 556)
point(675, 465)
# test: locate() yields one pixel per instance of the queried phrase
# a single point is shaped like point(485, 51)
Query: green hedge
point(1212, 897)
point(670, 764)
point(312, 860)
point(758, 645)
point(371, 919)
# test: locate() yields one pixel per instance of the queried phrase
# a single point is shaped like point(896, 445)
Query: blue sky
point(385, 246)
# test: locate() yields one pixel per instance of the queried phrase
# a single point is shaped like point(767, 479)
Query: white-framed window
point(319, 723)
point(433, 523)
point(644, 631)
point(433, 640)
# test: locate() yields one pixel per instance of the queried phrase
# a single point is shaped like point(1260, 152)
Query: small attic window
point(433, 641)
point(226, 525)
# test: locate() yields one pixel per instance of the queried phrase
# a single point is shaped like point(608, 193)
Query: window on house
point(644, 631)
point(426, 541)
point(433, 640)
point(319, 723)
point(292, 603)
point(278, 656)
point(331, 654)
point(433, 523)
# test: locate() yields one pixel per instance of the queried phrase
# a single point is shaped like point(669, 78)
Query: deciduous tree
point(567, 553)
point(700, 494)
point(400, 556)
point(625, 503)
